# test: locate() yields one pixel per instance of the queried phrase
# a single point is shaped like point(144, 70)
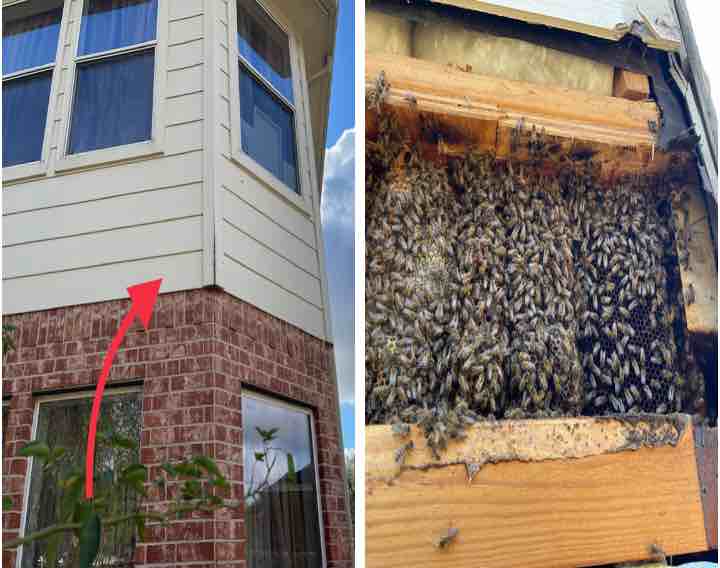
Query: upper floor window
point(30, 38)
point(267, 108)
point(282, 519)
point(114, 84)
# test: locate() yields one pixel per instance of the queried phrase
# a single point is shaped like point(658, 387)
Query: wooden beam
point(698, 264)
point(442, 88)
point(562, 492)
point(632, 86)
point(445, 112)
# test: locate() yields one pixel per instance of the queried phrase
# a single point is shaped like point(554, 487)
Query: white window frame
point(145, 149)
point(267, 399)
point(39, 168)
point(301, 200)
point(44, 399)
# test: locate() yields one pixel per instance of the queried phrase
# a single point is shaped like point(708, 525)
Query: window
point(267, 110)
point(30, 37)
point(282, 518)
point(63, 421)
point(114, 85)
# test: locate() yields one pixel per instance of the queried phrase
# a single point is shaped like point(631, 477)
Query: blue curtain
point(265, 46)
point(25, 106)
point(30, 42)
point(113, 102)
point(267, 130)
point(109, 24)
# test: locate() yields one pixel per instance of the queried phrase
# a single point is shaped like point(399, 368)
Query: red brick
point(203, 347)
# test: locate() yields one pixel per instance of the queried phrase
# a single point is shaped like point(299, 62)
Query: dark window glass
point(267, 129)
point(25, 107)
point(109, 24)
point(64, 423)
point(281, 505)
point(30, 41)
point(113, 102)
point(265, 46)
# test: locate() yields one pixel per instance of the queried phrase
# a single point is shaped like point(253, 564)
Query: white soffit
point(653, 21)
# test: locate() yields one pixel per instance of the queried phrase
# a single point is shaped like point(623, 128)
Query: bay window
point(282, 518)
point(115, 69)
point(267, 108)
point(30, 38)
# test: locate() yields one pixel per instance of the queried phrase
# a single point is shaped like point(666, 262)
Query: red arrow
point(143, 298)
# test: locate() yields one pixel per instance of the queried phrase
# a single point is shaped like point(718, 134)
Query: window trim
point(39, 168)
point(303, 199)
point(126, 152)
point(250, 393)
point(44, 399)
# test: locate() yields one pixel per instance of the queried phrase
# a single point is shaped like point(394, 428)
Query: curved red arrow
point(143, 298)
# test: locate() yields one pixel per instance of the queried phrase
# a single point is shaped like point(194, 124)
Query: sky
point(338, 210)
point(704, 17)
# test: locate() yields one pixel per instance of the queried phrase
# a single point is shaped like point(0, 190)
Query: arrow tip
point(143, 298)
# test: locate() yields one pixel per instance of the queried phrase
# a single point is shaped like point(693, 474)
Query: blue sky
point(338, 211)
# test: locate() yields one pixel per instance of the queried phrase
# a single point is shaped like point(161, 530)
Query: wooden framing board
point(699, 272)
point(561, 492)
point(483, 113)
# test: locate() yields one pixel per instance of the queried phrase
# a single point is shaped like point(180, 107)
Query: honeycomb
point(496, 292)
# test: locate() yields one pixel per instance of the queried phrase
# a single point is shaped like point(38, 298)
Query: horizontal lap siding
point(85, 236)
point(267, 246)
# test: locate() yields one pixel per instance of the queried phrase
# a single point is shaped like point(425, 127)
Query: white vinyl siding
point(189, 213)
point(86, 235)
point(267, 248)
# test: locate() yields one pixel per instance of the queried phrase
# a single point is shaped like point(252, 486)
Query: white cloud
point(339, 181)
point(338, 231)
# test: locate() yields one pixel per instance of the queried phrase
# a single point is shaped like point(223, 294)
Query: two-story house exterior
point(182, 140)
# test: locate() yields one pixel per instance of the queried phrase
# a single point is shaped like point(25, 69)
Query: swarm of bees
point(494, 293)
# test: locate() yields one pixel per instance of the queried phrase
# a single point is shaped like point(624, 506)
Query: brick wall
point(201, 348)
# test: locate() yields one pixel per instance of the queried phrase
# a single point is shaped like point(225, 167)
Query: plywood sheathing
point(449, 111)
point(578, 491)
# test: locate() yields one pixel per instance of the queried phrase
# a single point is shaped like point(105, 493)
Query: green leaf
point(188, 470)
point(191, 489)
point(169, 469)
point(267, 435)
point(7, 502)
point(89, 540)
point(117, 441)
point(82, 512)
point(208, 464)
point(134, 473)
point(259, 456)
point(71, 496)
point(52, 550)
point(140, 524)
point(36, 449)
point(292, 477)
point(219, 481)
point(215, 501)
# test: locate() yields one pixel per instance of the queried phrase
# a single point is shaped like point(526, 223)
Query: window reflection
point(281, 504)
